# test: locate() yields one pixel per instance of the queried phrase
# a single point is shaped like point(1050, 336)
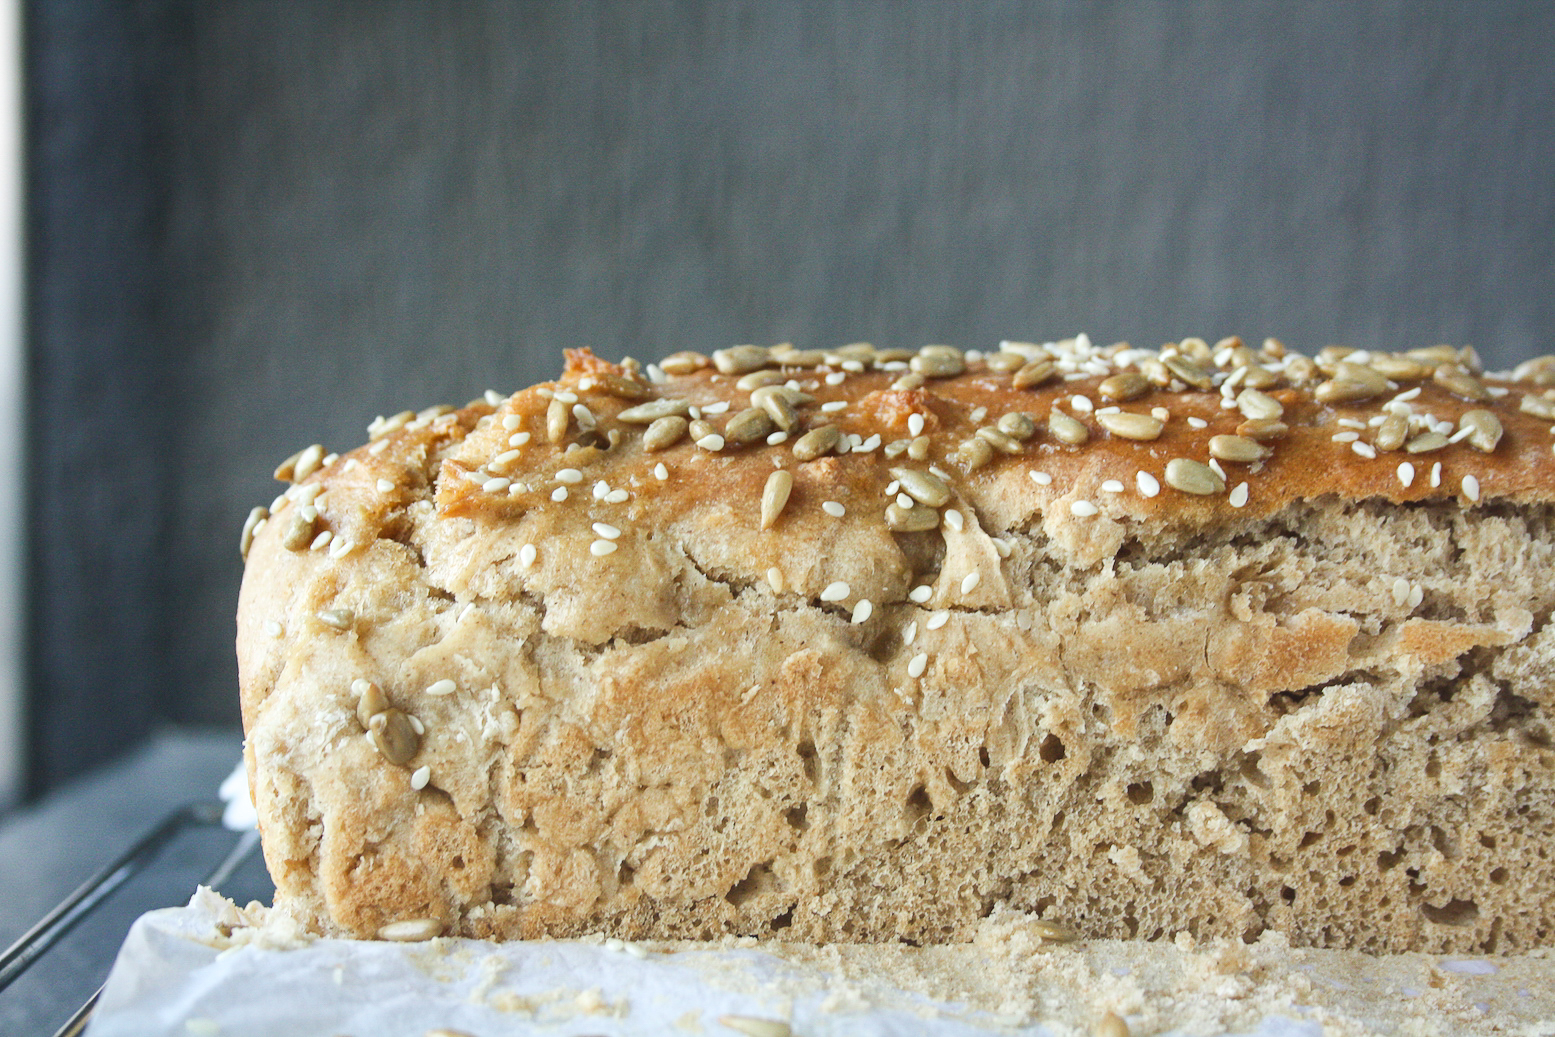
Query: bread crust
point(1319, 705)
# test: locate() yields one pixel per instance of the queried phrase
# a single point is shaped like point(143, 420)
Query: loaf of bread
point(862, 644)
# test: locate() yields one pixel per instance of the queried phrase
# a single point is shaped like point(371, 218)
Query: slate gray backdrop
point(259, 225)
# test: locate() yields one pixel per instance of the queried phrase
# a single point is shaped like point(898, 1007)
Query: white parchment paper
point(173, 977)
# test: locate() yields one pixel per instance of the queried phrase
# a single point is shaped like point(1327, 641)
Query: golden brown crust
point(1079, 690)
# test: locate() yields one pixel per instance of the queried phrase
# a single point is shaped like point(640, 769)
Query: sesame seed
point(600, 489)
point(978, 414)
point(1416, 596)
point(340, 548)
point(584, 416)
point(566, 396)
point(954, 520)
point(416, 725)
point(904, 501)
point(512, 421)
point(442, 687)
point(1082, 509)
point(712, 442)
point(853, 367)
point(1471, 487)
point(695, 412)
point(716, 408)
point(570, 476)
point(1345, 437)
point(617, 497)
point(1436, 474)
point(419, 777)
point(518, 439)
point(1365, 450)
point(834, 509)
point(1148, 485)
point(1460, 435)
point(1041, 478)
point(601, 548)
point(1407, 395)
point(862, 611)
point(775, 579)
point(1160, 414)
point(834, 406)
point(910, 633)
point(496, 485)
point(660, 472)
point(1406, 474)
point(506, 457)
point(321, 541)
point(607, 531)
point(869, 445)
point(1215, 464)
point(378, 447)
point(1351, 423)
point(1239, 496)
point(921, 593)
point(918, 664)
point(915, 424)
point(938, 620)
point(969, 582)
point(1112, 486)
point(1082, 404)
point(1197, 423)
point(777, 437)
point(1400, 592)
point(836, 378)
point(559, 494)
point(836, 591)
point(527, 555)
point(272, 628)
point(384, 486)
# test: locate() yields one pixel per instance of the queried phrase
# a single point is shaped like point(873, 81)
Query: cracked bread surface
point(1324, 710)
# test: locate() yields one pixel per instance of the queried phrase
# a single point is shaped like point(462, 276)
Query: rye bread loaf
point(859, 645)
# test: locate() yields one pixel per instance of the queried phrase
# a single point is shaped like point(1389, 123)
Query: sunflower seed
point(741, 359)
point(994, 438)
point(1237, 448)
point(411, 930)
point(664, 433)
point(1426, 442)
point(1066, 429)
point(939, 362)
point(394, 736)
point(1485, 429)
point(1005, 362)
point(1259, 406)
point(974, 453)
point(246, 540)
point(1193, 477)
point(684, 362)
point(1190, 371)
point(1300, 370)
point(758, 379)
point(1459, 382)
point(1538, 406)
point(1433, 356)
point(1054, 931)
point(557, 416)
point(1142, 427)
point(1540, 371)
point(1125, 386)
point(647, 413)
point(1034, 374)
point(624, 388)
point(749, 425)
point(773, 399)
point(909, 381)
point(1155, 372)
point(910, 520)
point(299, 531)
point(774, 496)
point(1351, 383)
point(818, 442)
point(1399, 368)
point(1259, 377)
point(922, 487)
point(1262, 429)
point(337, 619)
point(369, 703)
point(1018, 425)
point(1391, 433)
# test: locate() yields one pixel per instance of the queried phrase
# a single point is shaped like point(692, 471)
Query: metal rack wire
point(70, 912)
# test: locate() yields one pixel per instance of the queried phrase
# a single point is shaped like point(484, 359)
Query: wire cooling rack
point(160, 870)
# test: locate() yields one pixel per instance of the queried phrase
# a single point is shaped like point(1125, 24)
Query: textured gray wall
point(383, 205)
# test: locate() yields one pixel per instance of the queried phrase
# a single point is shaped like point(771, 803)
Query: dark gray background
point(258, 225)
